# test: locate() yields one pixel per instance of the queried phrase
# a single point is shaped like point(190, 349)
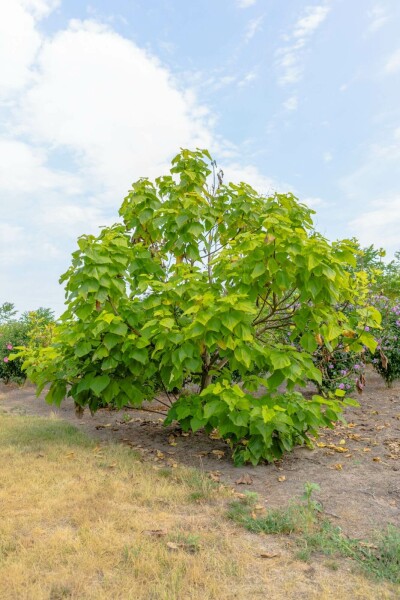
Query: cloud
point(378, 219)
point(245, 3)
point(248, 78)
point(377, 17)
point(393, 63)
point(23, 170)
point(380, 224)
point(253, 26)
point(291, 103)
point(110, 103)
point(313, 202)
point(327, 156)
point(290, 58)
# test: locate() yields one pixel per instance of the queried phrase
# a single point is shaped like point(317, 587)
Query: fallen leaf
point(214, 476)
point(342, 442)
point(171, 440)
point(282, 478)
point(367, 450)
point(268, 555)
point(103, 426)
point(172, 546)
point(351, 425)
point(245, 479)
point(218, 453)
point(338, 467)
point(376, 459)
point(155, 532)
point(160, 454)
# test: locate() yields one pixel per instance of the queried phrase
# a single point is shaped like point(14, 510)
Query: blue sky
point(288, 95)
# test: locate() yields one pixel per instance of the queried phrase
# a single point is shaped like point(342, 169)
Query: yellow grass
point(75, 522)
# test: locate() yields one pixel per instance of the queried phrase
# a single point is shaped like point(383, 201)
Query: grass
point(378, 557)
point(87, 522)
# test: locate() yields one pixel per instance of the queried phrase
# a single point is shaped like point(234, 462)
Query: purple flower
point(5, 359)
point(356, 366)
point(331, 366)
point(366, 328)
point(9, 347)
point(341, 386)
point(343, 372)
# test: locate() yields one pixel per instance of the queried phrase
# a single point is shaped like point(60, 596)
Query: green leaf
point(110, 340)
point(279, 360)
point(258, 270)
point(99, 384)
point(82, 349)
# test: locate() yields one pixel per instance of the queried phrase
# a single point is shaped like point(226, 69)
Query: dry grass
point(75, 520)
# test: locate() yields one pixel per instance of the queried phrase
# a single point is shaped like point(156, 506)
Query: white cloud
point(111, 103)
point(253, 26)
point(290, 58)
point(245, 3)
point(378, 219)
point(393, 63)
point(315, 15)
point(377, 17)
point(313, 202)
point(380, 224)
point(19, 42)
point(248, 78)
point(291, 103)
point(23, 170)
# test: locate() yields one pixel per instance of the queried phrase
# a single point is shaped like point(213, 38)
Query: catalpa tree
point(202, 285)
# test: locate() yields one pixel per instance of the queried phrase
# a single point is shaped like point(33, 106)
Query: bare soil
point(356, 465)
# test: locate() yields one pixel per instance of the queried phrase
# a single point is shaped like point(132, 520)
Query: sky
point(293, 95)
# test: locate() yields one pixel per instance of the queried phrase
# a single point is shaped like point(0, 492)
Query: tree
point(7, 312)
point(199, 282)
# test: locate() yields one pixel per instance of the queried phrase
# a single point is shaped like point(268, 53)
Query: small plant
point(379, 557)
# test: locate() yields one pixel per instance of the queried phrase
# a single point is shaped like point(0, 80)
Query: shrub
point(195, 285)
point(386, 358)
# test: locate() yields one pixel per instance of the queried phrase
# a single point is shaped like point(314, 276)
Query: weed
point(379, 557)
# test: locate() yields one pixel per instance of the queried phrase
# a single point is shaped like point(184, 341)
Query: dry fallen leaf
point(214, 476)
point(269, 555)
point(342, 442)
point(160, 454)
point(377, 459)
point(155, 532)
point(367, 450)
point(245, 479)
point(171, 440)
point(282, 478)
point(338, 467)
point(218, 453)
point(172, 546)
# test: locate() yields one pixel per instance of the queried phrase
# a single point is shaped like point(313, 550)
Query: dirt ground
point(356, 466)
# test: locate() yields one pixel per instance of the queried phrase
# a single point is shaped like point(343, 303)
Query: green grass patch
point(33, 432)
point(378, 557)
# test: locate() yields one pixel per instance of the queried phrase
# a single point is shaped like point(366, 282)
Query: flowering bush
point(32, 329)
point(341, 369)
point(386, 358)
point(12, 334)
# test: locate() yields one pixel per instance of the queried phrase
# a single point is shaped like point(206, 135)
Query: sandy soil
point(357, 466)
